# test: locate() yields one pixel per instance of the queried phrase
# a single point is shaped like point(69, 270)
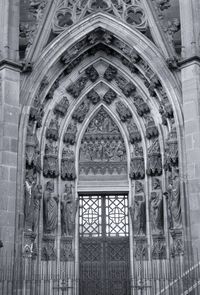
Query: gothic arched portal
point(104, 126)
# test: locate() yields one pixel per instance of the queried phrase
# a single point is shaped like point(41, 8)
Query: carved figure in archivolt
point(50, 208)
point(68, 164)
point(30, 184)
point(156, 208)
point(174, 201)
point(50, 168)
point(68, 212)
point(36, 206)
point(138, 215)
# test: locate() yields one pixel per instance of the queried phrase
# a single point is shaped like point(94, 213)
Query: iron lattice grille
point(104, 245)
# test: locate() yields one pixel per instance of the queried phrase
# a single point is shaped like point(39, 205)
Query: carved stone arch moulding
point(47, 95)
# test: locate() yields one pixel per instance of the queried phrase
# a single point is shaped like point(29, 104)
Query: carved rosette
point(61, 108)
point(154, 160)
point(48, 248)
point(159, 247)
point(50, 167)
point(123, 111)
point(66, 252)
point(68, 164)
point(70, 134)
point(52, 131)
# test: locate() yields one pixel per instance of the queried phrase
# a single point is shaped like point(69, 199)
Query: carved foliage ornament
point(109, 96)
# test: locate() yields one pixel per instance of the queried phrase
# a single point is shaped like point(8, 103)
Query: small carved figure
point(68, 212)
point(51, 160)
point(70, 134)
point(156, 212)
point(50, 208)
point(36, 206)
point(30, 183)
point(68, 164)
point(138, 215)
point(174, 202)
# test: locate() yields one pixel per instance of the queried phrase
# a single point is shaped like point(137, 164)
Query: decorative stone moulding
point(123, 111)
point(50, 167)
point(68, 164)
point(92, 73)
point(154, 159)
point(48, 248)
point(76, 88)
point(52, 131)
point(81, 111)
point(109, 96)
point(70, 134)
point(61, 108)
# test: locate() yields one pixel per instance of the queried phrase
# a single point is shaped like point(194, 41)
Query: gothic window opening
point(104, 244)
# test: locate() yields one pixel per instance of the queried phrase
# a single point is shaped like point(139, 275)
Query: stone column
point(9, 117)
point(190, 73)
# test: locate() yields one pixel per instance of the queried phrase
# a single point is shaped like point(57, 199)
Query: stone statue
point(138, 215)
point(30, 183)
point(50, 208)
point(156, 212)
point(68, 212)
point(174, 203)
point(36, 206)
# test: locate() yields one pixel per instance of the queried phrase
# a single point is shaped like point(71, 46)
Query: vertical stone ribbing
point(190, 73)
